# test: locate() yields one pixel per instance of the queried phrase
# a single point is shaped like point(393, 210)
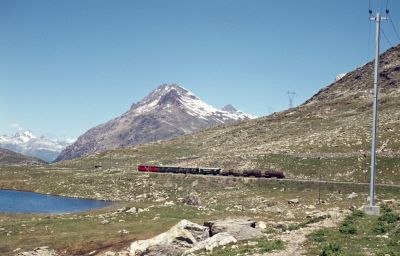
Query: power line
point(394, 27)
point(391, 21)
point(385, 36)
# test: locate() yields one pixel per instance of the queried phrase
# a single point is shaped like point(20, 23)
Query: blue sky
point(68, 65)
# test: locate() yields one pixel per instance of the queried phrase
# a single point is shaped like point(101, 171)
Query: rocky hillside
point(29, 144)
point(8, 157)
point(169, 111)
point(334, 124)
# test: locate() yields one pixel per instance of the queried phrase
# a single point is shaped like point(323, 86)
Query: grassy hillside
point(334, 124)
point(8, 157)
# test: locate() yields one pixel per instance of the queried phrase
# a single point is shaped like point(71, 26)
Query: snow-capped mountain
point(167, 112)
point(29, 144)
point(231, 109)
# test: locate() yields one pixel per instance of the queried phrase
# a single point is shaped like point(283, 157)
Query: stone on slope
point(163, 250)
point(241, 229)
point(40, 251)
point(192, 199)
point(294, 201)
point(181, 236)
point(209, 244)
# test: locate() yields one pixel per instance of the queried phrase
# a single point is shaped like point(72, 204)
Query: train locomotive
point(212, 171)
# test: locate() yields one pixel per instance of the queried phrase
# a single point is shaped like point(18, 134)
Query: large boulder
point(192, 199)
point(179, 238)
point(241, 229)
point(209, 244)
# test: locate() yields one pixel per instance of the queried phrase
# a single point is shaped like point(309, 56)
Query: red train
point(211, 171)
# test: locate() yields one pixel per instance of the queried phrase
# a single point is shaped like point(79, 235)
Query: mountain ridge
point(168, 111)
point(29, 144)
point(9, 157)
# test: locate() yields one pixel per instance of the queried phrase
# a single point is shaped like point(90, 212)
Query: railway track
point(281, 180)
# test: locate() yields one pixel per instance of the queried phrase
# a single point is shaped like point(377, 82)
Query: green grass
point(246, 247)
point(360, 234)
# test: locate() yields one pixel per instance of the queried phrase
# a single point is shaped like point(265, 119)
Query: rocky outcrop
point(187, 237)
point(209, 244)
point(241, 229)
point(180, 237)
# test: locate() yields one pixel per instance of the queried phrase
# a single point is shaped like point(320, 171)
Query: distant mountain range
point(29, 144)
point(167, 112)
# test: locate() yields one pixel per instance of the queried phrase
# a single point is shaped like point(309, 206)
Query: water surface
point(12, 201)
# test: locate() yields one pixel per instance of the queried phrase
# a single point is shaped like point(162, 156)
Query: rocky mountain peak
point(168, 111)
point(30, 144)
point(24, 136)
point(229, 108)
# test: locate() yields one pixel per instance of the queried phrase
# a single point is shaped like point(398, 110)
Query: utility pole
point(372, 209)
point(291, 95)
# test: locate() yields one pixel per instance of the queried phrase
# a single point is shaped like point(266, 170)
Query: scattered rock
point(294, 201)
point(290, 215)
point(273, 209)
point(352, 195)
point(170, 203)
point(252, 243)
point(209, 244)
point(123, 209)
point(163, 250)
point(131, 210)
point(192, 199)
point(239, 207)
point(195, 183)
point(104, 222)
point(123, 232)
point(241, 229)
point(278, 225)
point(389, 201)
point(40, 251)
point(261, 225)
point(319, 215)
